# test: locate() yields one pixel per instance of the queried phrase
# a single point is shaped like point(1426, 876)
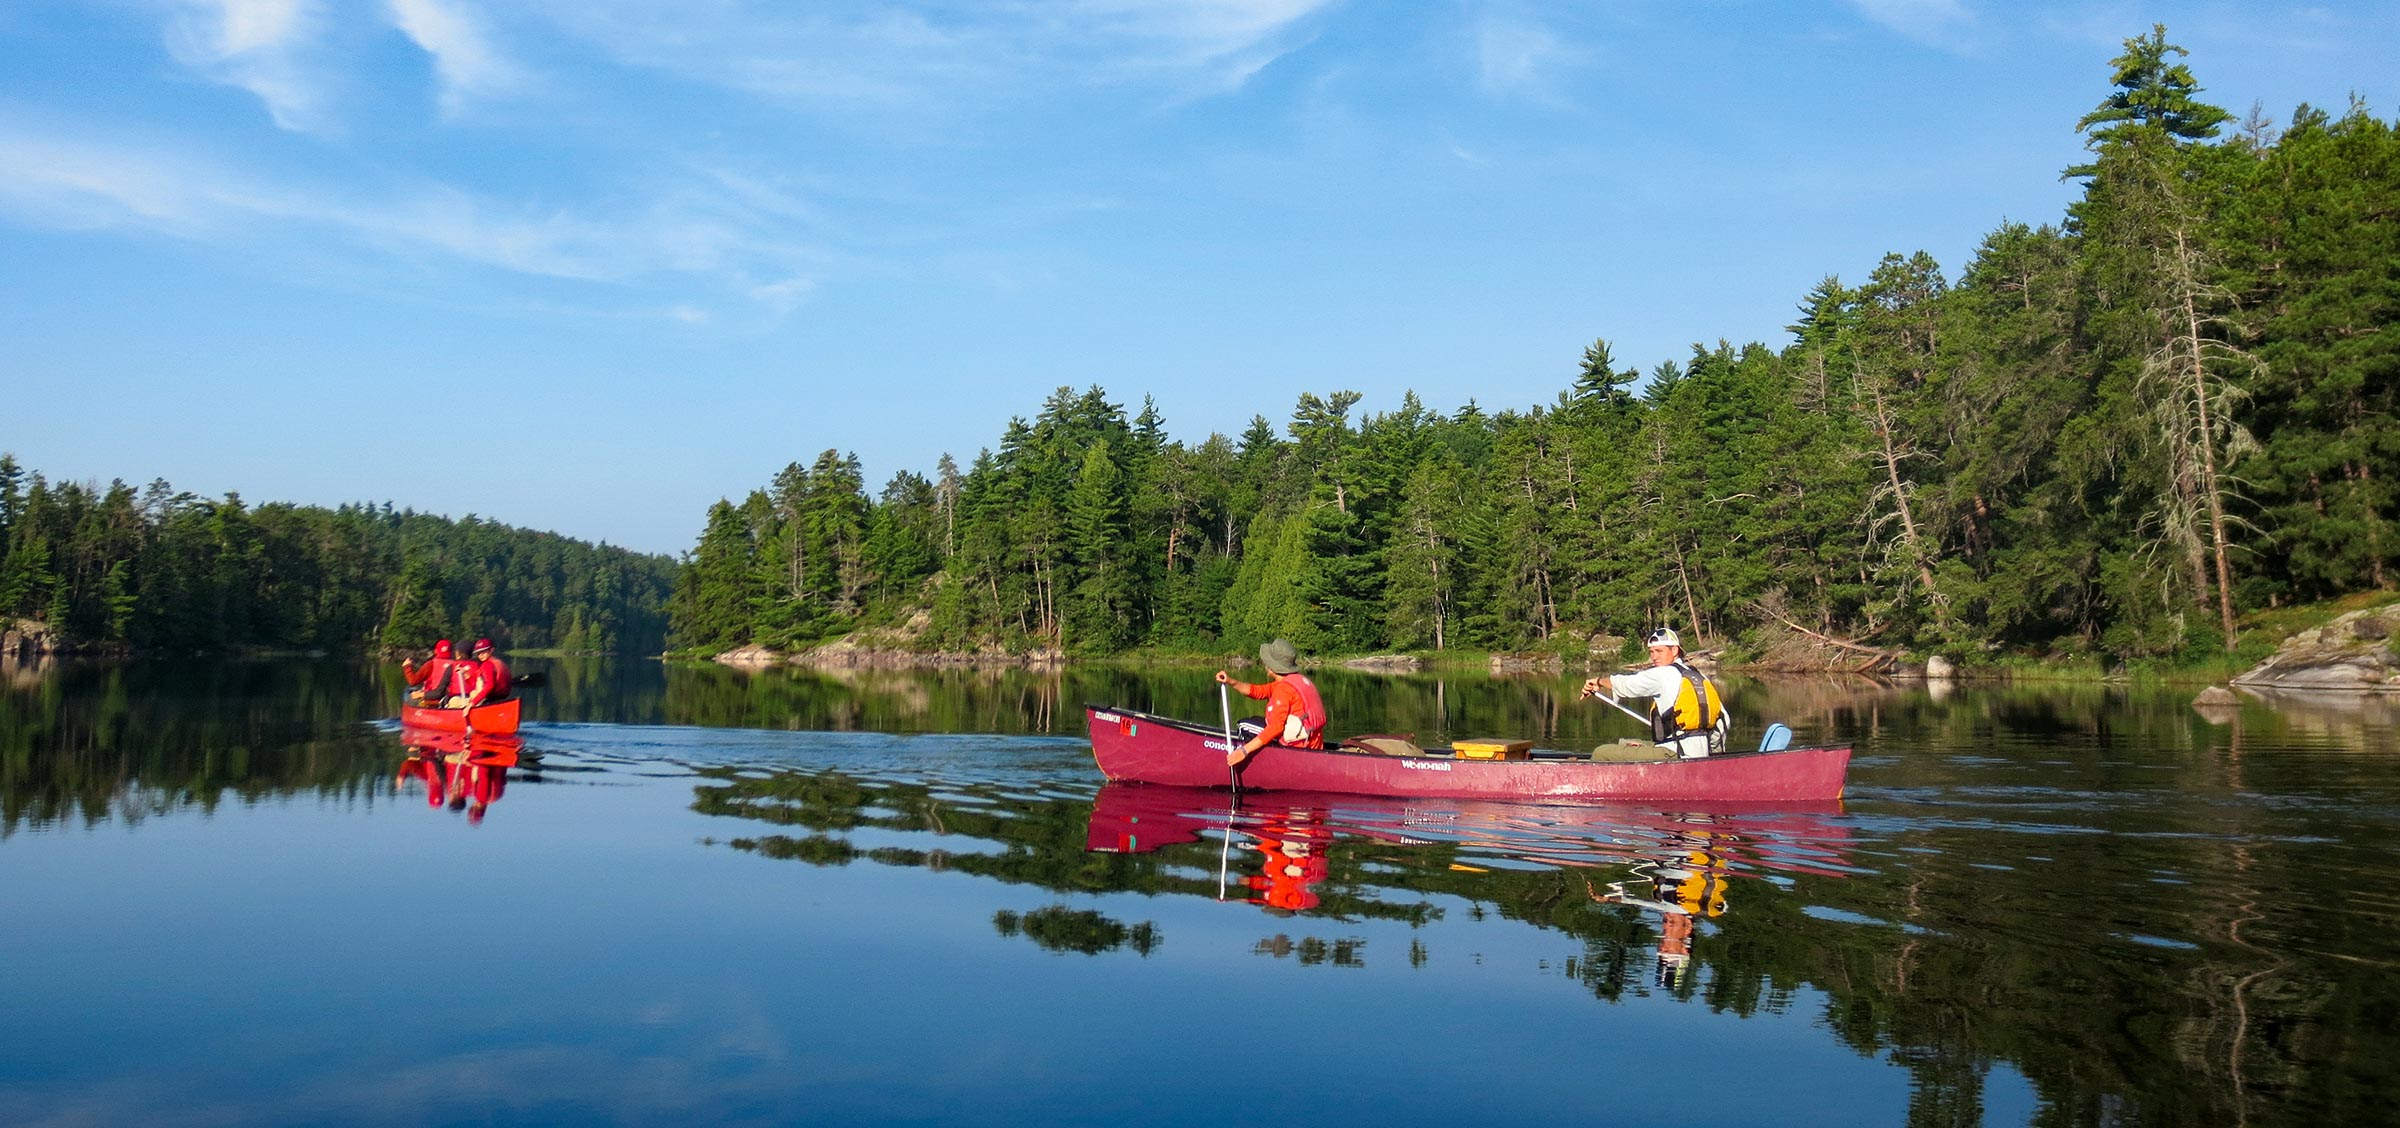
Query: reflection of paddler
point(476, 782)
point(1674, 948)
point(422, 764)
point(1695, 884)
point(467, 773)
point(1294, 849)
point(1684, 885)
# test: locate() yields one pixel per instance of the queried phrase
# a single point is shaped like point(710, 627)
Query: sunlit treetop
point(2152, 93)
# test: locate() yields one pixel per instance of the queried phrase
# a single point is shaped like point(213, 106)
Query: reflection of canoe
point(1143, 748)
point(1805, 838)
point(499, 716)
point(489, 749)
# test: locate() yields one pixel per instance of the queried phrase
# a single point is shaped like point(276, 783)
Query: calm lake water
point(709, 897)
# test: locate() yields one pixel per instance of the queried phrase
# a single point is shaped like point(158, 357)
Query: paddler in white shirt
point(1687, 716)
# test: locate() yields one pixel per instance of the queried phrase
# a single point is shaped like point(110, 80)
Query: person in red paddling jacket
point(490, 676)
point(1295, 714)
point(429, 684)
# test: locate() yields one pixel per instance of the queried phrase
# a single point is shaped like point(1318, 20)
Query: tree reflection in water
point(2154, 915)
point(1941, 963)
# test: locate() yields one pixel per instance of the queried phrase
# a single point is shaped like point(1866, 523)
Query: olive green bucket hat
point(1279, 657)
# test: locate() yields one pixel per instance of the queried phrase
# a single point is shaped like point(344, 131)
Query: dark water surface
point(707, 897)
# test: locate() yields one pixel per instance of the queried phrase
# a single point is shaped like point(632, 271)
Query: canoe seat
point(1384, 745)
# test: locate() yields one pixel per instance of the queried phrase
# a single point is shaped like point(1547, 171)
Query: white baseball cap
point(1665, 637)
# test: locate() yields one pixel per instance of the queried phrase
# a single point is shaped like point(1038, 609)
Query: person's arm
point(1244, 688)
point(474, 687)
point(1245, 750)
point(1655, 682)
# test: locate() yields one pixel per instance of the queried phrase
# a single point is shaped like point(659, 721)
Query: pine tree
point(2142, 201)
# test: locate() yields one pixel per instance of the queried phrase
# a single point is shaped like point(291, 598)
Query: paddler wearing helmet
point(491, 679)
point(1687, 715)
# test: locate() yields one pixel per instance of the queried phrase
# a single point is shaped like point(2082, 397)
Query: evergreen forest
point(160, 569)
point(2107, 436)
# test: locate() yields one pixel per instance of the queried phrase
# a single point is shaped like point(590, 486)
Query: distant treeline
point(162, 569)
point(2104, 436)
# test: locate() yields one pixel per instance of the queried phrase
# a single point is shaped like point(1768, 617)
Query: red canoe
point(499, 716)
point(1143, 748)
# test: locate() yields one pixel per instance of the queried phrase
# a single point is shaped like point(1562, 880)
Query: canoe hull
point(1142, 748)
point(499, 716)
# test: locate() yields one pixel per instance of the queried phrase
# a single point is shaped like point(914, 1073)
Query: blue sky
point(589, 265)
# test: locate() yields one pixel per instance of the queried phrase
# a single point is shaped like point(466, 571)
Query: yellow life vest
point(1697, 707)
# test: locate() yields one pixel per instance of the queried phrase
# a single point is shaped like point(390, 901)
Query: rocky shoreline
point(2353, 653)
point(847, 656)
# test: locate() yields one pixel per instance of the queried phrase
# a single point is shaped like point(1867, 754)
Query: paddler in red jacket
point(1295, 714)
point(491, 679)
point(430, 683)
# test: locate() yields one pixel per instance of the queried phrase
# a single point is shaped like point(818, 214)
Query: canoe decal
point(1425, 765)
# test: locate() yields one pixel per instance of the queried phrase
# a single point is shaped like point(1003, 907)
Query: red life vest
point(1311, 711)
point(434, 675)
point(495, 678)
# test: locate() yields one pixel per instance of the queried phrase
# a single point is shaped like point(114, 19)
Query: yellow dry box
point(1494, 749)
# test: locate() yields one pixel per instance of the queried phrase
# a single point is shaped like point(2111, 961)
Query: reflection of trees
point(132, 740)
point(1942, 967)
point(1057, 928)
point(1347, 952)
point(2126, 815)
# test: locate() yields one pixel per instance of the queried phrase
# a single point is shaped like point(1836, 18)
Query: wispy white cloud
point(944, 53)
point(1201, 34)
point(783, 296)
point(258, 45)
point(696, 234)
point(463, 55)
point(1948, 24)
point(1521, 58)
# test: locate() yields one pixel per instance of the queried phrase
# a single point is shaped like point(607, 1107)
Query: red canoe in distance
point(1797, 838)
point(497, 750)
point(1142, 748)
point(497, 717)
